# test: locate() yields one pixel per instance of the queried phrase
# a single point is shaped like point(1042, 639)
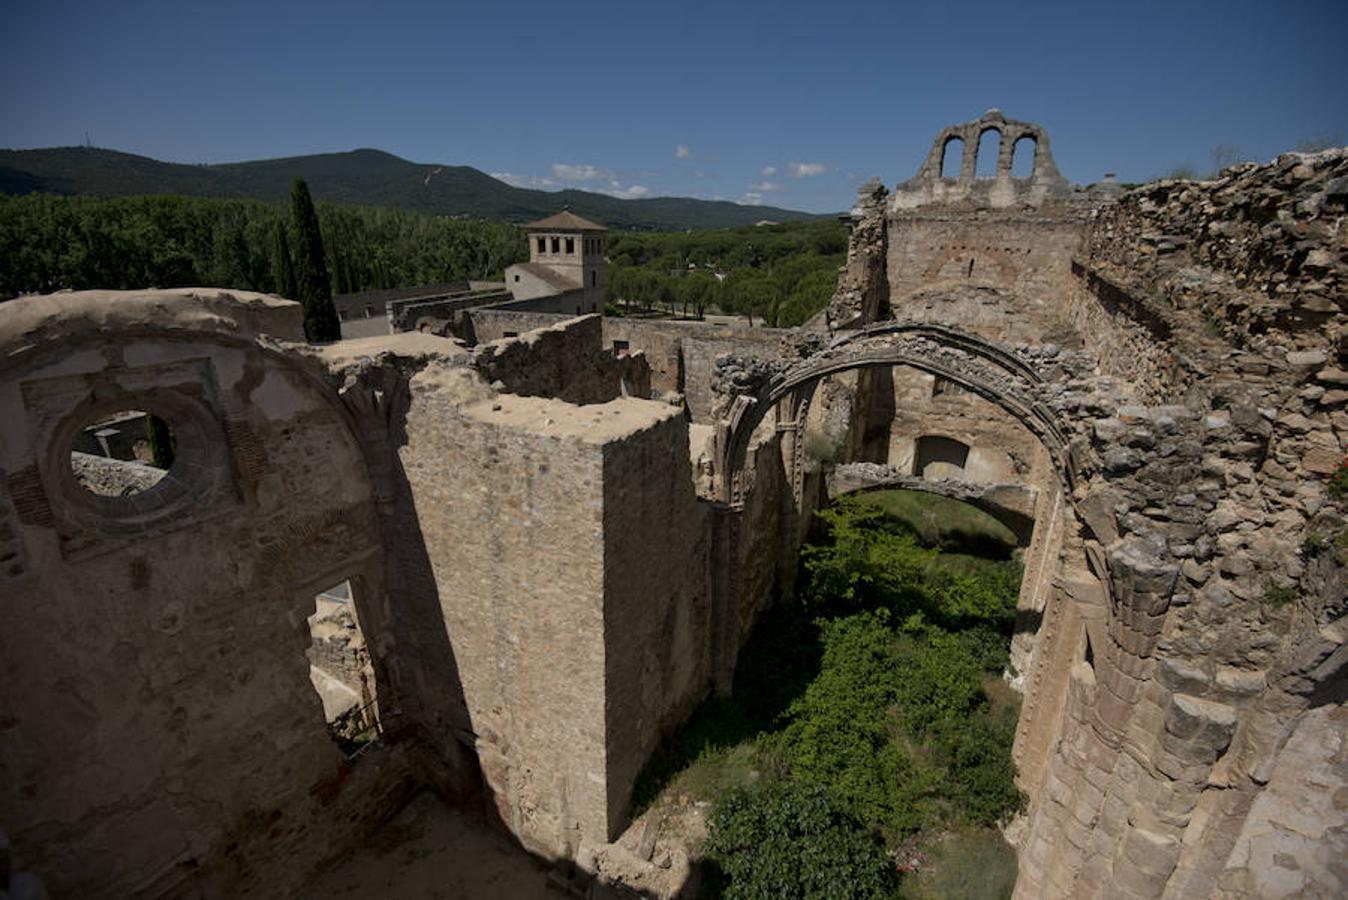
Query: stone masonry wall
point(1003, 275)
point(559, 536)
point(658, 605)
point(564, 360)
point(680, 354)
point(1224, 551)
point(160, 736)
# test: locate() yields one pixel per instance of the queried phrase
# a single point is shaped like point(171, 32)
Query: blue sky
point(790, 104)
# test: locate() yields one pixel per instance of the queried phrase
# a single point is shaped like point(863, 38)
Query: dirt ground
point(431, 852)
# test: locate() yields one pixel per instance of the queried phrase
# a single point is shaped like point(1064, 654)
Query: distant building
point(565, 271)
point(564, 274)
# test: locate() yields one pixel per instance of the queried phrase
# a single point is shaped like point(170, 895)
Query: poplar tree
point(311, 269)
point(282, 264)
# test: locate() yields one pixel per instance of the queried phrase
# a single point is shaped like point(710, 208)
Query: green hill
point(364, 177)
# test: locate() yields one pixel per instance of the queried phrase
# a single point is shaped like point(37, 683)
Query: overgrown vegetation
point(48, 243)
point(778, 274)
point(871, 708)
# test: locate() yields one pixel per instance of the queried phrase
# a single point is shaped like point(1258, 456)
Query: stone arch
point(952, 157)
point(990, 153)
point(1023, 144)
point(1011, 505)
point(1067, 579)
point(974, 363)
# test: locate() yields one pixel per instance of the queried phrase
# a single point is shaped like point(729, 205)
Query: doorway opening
point(341, 671)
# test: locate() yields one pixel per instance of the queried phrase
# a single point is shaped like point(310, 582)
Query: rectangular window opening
point(570, 246)
point(341, 671)
point(556, 245)
point(542, 245)
point(621, 347)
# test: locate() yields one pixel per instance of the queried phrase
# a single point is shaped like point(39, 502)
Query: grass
point(976, 864)
point(946, 523)
point(716, 750)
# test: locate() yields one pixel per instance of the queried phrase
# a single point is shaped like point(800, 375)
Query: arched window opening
point(989, 148)
point(122, 454)
point(341, 671)
point(952, 157)
point(940, 457)
point(1022, 157)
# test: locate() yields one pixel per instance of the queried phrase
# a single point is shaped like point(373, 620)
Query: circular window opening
point(122, 454)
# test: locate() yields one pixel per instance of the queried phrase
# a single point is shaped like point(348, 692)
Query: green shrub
point(791, 841)
point(867, 562)
point(1280, 595)
point(1338, 482)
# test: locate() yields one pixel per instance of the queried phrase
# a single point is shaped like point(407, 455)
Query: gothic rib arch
point(984, 367)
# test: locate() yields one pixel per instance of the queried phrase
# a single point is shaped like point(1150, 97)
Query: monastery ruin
point(541, 540)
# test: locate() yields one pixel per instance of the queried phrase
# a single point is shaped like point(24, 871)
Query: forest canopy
point(775, 274)
point(49, 243)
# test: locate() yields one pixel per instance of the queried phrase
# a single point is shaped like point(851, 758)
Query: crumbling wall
point(1182, 731)
point(161, 735)
point(680, 355)
point(1005, 275)
point(567, 546)
point(658, 603)
point(565, 360)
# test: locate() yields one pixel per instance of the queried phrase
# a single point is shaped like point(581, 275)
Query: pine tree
point(282, 265)
point(311, 269)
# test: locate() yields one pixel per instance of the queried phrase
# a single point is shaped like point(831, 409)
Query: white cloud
point(631, 192)
point(805, 170)
point(764, 187)
point(683, 152)
point(769, 171)
point(752, 198)
point(567, 172)
point(524, 181)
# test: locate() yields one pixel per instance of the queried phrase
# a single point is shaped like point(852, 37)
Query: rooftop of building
point(565, 220)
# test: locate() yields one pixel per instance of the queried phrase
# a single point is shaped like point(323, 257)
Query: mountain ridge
point(366, 177)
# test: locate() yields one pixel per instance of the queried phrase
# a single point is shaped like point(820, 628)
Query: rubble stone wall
point(1223, 648)
point(1004, 275)
point(566, 360)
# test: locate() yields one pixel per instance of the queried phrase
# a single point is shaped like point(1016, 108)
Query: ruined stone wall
point(512, 521)
point(161, 735)
point(1004, 275)
point(564, 360)
point(493, 324)
point(681, 355)
point(1188, 725)
point(1000, 449)
point(657, 610)
point(546, 592)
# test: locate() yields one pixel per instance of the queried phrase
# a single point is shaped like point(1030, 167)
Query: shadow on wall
point(421, 665)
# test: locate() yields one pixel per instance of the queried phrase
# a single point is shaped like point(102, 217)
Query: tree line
point(779, 274)
point(49, 243)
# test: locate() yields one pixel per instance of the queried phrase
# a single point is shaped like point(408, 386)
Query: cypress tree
point(282, 264)
point(162, 444)
point(311, 269)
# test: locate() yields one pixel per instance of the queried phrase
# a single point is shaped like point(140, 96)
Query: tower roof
point(565, 220)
